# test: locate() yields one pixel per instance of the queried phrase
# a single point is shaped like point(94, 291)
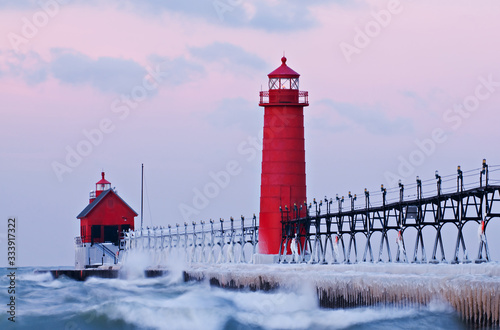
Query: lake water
point(169, 303)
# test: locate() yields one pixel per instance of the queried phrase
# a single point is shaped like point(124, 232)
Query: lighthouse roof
point(283, 71)
point(96, 202)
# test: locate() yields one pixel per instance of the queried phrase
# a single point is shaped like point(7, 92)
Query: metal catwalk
point(318, 234)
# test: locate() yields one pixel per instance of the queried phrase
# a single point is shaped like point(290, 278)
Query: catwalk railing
point(320, 233)
point(221, 241)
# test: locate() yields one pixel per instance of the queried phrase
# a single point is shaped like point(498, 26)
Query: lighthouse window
point(295, 83)
point(274, 83)
point(285, 84)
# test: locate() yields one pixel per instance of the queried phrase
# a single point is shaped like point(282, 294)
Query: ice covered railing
point(213, 242)
point(78, 241)
point(422, 213)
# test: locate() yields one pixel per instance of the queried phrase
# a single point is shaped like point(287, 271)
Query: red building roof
point(92, 205)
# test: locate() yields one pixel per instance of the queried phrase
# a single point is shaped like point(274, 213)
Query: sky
point(396, 89)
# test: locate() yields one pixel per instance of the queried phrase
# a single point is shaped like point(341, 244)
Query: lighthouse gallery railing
point(303, 97)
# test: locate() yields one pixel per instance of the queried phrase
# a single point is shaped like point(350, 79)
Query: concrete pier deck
point(83, 274)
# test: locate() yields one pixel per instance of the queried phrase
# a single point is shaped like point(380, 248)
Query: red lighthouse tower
point(283, 178)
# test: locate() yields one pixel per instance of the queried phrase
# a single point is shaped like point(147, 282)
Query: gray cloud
point(28, 66)
point(372, 118)
point(420, 102)
point(105, 73)
point(178, 70)
point(18, 4)
point(230, 55)
point(321, 124)
point(281, 16)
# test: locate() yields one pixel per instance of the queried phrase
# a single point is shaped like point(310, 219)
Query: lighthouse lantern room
point(101, 222)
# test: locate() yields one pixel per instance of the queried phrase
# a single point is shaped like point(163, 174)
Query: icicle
point(294, 249)
point(336, 254)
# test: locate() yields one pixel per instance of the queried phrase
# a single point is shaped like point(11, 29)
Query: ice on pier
point(471, 290)
point(222, 254)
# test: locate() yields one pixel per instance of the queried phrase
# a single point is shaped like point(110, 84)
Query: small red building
point(106, 216)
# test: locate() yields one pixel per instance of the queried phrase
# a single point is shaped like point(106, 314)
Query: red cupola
point(283, 178)
point(100, 186)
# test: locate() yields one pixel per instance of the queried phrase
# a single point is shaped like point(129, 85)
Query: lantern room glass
point(103, 186)
point(284, 83)
point(274, 83)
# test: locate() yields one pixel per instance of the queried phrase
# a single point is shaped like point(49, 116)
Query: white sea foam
point(164, 303)
point(175, 265)
point(135, 263)
point(191, 310)
point(337, 319)
point(299, 310)
point(36, 277)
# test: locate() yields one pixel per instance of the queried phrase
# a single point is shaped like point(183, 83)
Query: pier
point(108, 272)
point(320, 243)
